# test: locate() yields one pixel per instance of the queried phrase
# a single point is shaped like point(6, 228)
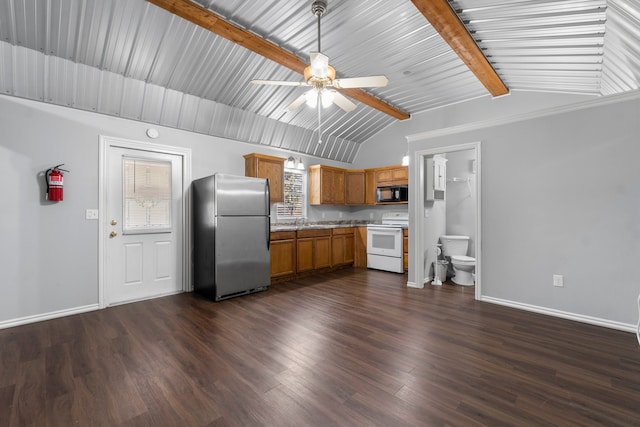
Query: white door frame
point(105, 143)
point(417, 212)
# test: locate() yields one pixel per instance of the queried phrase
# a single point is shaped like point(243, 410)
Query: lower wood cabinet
point(304, 251)
point(360, 250)
point(313, 249)
point(342, 246)
point(405, 249)
point(283, 253)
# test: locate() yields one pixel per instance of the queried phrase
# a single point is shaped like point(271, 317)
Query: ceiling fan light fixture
point(308, 74)
point(319, 65)
point(312, 98)
point(327, 97)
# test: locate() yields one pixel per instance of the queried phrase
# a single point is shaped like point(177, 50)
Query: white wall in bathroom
point(461, 197)
point(435, 226)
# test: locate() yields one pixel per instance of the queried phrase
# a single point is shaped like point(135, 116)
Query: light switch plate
point(558, 280)
point(91, 214)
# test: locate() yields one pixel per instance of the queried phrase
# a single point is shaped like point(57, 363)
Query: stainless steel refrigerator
point(231, 226)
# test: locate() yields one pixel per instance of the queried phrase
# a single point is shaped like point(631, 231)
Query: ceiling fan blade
point(353, 82)
point(278, 83)
point(298, 102)
point(341, 101)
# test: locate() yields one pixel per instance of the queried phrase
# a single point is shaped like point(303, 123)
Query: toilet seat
point(463, 260)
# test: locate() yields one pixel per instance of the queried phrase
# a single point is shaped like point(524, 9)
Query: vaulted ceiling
point(136, 60)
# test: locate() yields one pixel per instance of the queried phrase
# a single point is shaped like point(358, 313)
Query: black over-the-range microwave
point(393, 193)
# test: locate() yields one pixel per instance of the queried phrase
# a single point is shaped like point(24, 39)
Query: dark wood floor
point(348, 348)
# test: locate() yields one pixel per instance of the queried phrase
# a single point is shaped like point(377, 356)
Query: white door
point(142, 224)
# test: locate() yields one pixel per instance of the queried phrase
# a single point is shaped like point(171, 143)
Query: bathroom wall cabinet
point(436, 182)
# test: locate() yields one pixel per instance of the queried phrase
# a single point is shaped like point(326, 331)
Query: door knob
point(114, 222)
point(113, 234)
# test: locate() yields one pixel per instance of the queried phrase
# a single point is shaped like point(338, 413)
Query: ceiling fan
point(320, 77)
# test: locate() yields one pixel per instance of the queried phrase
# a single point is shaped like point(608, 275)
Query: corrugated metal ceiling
point(131, 59)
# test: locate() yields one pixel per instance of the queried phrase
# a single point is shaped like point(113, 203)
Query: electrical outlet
point(371, 215)
point(323, 215)
point(91, 214)
point(339, 214)
point(558, 280)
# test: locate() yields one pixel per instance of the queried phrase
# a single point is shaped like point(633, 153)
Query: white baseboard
point(562, 314)
point(414, 285)
point(47, 316)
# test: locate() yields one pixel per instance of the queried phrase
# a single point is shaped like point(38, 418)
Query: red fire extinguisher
point(54, 178)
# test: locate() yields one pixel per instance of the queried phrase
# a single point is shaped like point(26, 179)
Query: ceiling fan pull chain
point(319, 119)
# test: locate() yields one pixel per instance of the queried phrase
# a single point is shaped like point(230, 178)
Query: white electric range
point(384, 242)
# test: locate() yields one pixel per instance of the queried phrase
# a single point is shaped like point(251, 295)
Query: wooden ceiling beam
point(218, 25)
point(444, 19)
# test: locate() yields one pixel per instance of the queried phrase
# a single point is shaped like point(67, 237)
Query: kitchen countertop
point(291, 226)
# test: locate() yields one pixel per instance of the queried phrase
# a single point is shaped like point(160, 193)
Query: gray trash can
point(442, 266)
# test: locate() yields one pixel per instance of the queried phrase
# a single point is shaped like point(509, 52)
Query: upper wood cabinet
point(269, 167)
point(326, 185)
point(354, 187)
point(392, 175)
point(329, 185)
point(370, 187)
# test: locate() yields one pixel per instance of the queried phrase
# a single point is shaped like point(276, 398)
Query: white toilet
point(456, 247)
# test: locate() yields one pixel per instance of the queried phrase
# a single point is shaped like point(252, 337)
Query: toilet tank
point(454, 245)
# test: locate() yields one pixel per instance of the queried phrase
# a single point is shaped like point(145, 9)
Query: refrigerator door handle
point(268, 201)
point(267, 196)
point(268, 233)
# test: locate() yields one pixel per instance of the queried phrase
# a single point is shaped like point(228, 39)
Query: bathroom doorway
point(456, 211)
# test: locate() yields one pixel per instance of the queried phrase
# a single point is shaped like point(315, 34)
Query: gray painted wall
point(560, 195)
point(388, 146)
point(49, 255)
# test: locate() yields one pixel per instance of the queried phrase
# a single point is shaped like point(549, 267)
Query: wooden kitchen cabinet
point(313, 249)
point(392, 175)
point(304, 252)
point(405, 249)
point(269, 167)
point(283, 253)
point(342, 246)
point(370, 187)
point(326, 185)
point(360, 250)
point(355, 187)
